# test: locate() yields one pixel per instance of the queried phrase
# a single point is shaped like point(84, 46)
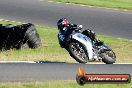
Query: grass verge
point(51, 51)
point(120, 4)
point(61, 84)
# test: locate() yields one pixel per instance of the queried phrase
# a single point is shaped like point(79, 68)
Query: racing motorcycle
point(83, 49)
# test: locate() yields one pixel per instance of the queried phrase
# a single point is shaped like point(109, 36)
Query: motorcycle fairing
point(86, 41)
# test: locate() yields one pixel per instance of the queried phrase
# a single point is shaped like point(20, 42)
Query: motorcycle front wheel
point(78, 51)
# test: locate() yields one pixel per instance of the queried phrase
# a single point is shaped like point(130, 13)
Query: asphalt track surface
point(102, 21)
point(23, 72)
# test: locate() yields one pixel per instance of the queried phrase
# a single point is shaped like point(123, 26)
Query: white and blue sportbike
point(83, 45)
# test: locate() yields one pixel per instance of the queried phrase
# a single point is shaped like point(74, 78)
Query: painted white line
point(124, 38)
point(51, 62)
point(17, 62)
point(100, 63)
point(59, 2)
point(118, 38)
point(68, 3)
point(122, 63)
point(19, 22)
point(85, 5)
point(1, 19)
point(7, 20)
point(111, 64)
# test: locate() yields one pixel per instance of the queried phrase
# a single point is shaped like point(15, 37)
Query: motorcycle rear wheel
point(108, 57)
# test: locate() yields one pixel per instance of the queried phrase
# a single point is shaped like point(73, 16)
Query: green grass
point(51, 51)
point(61, 84)
point(120, 4)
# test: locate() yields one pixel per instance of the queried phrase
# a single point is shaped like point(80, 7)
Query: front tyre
point(78, 51)
point(108, 57)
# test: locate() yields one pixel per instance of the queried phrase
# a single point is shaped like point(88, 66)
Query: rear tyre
point(78, 51)
point(108, 57)
point(32, 37)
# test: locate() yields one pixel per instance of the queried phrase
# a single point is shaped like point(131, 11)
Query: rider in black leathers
point(65, 29)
